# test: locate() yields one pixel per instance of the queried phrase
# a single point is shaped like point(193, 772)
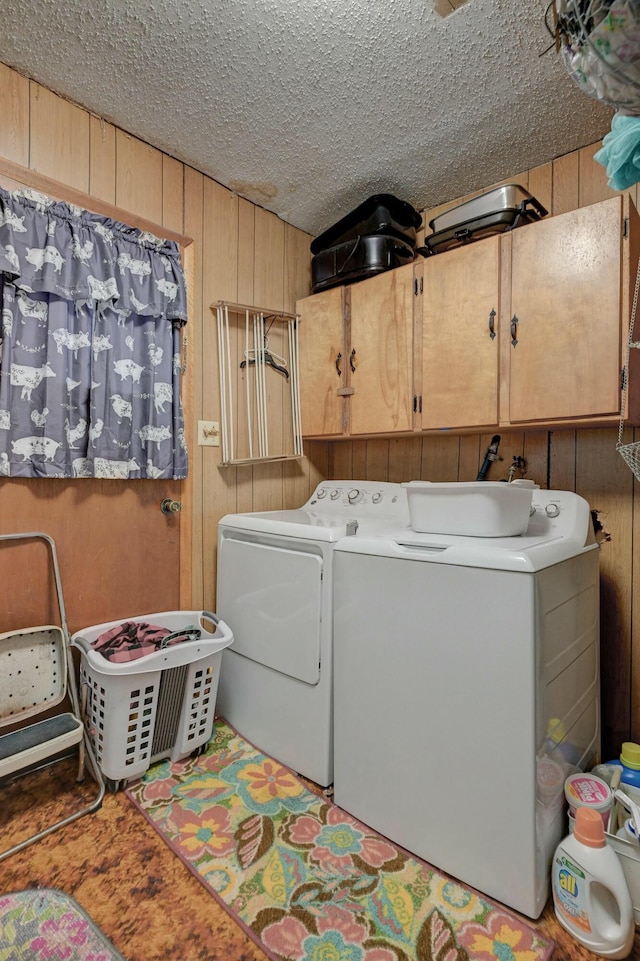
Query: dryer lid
point(296, 523)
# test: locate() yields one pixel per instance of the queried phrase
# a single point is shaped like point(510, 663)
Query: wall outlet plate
point(208, 433)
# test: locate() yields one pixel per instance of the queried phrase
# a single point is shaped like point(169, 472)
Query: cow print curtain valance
point(89, 345)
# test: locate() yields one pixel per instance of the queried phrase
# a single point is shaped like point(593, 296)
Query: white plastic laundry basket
point(157, 706)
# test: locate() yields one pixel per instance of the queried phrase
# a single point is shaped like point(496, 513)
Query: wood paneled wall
point(247, 256)
point(585, 461)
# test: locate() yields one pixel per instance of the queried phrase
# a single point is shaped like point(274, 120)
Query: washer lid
point(442, 550)
point(560, 527)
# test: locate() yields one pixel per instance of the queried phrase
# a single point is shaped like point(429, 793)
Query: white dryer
point(275, 591)
point(466, 689)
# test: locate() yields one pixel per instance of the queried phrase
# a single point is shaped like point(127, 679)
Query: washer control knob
point(552, 510)
point(354, 496)
point(335, 495)
point(321, 493)
point(376, 498)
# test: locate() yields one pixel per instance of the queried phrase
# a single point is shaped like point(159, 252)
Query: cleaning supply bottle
point(590, 893)
point(629, 761)
point(628, 831)
point(558, 746)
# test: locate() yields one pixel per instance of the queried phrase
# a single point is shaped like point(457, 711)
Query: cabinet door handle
point(514, 328)
point(351, 363)
point(492, 317)
point(338, 359)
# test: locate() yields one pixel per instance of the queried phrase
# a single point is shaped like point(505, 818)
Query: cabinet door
point(565, 315)
point(460, 307)
point(381, 352)
point(322, 362)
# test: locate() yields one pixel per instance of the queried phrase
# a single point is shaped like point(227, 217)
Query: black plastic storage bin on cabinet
point(379, 214)
point(357, 259)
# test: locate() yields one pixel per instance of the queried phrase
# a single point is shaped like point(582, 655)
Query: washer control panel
point(560, 514)
point(544, 502)
point(360, 499)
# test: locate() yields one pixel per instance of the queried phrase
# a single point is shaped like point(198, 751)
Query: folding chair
point(39, 702)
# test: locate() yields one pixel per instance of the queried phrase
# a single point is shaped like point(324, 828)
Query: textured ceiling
point(307, 107)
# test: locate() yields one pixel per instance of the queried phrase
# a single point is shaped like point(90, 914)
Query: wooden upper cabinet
point(460, 312)
point(380, 351)
point(564, 337)
point(526, 328)
point(322, 362)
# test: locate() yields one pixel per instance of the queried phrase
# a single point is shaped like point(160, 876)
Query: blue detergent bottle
point(629, 761)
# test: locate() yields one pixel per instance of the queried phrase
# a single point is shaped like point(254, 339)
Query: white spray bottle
point(590, 893)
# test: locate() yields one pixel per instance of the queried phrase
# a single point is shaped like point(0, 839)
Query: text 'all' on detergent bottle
point(590, 893)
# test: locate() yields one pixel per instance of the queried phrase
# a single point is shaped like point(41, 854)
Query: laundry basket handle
point(81, 643)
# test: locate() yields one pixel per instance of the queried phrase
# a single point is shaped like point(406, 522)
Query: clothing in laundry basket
point(133, 639)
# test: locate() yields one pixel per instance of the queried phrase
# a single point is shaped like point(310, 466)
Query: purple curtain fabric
point(89, 345)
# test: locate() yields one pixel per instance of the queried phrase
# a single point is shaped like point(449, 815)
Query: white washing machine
point(275, 591)
point(466, 689)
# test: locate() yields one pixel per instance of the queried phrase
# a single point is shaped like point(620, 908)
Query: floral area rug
point(43, 924)
point(306, 880)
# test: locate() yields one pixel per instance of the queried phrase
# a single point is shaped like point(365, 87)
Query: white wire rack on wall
point(259, 384)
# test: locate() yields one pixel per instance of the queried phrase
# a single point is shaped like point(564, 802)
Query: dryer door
point(271, 599)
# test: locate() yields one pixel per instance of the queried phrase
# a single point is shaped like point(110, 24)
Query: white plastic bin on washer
point(157, 706)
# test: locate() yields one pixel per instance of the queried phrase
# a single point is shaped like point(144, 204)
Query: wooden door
point(381, 352)
point(565, 326)
point(119, 555)
point(460, 311)
point(323, 364)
